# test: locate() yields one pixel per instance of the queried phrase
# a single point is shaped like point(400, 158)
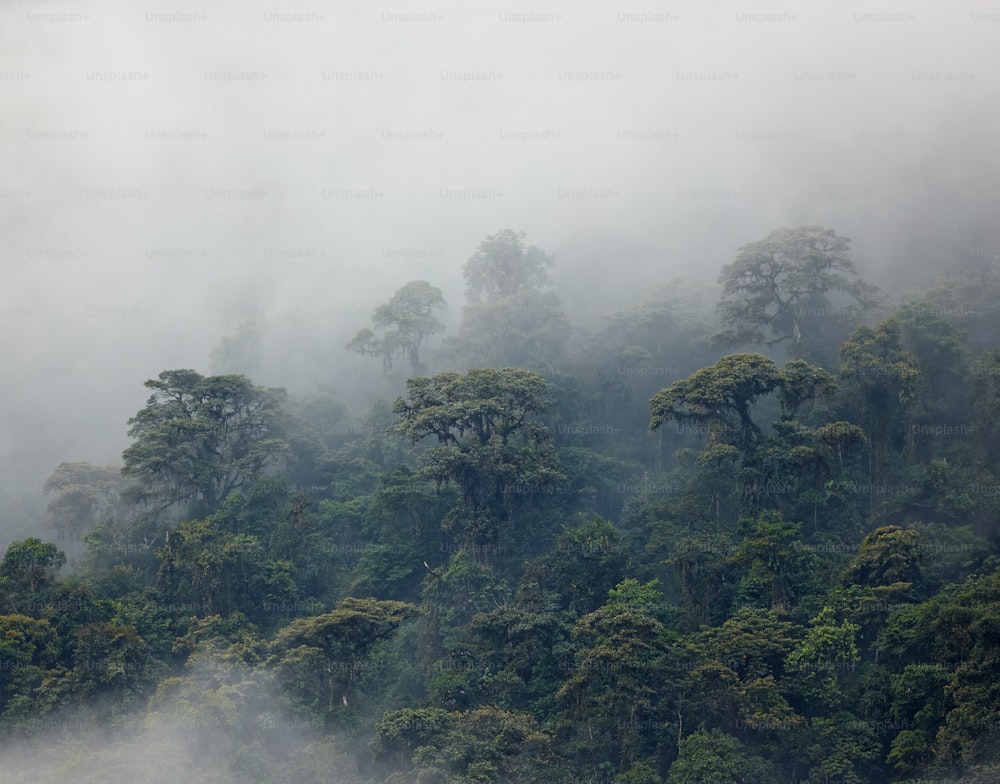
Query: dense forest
point(737, 536)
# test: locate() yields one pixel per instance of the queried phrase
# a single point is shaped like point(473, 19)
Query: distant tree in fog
point(403, 324)
point(779, 289)
point(239, 352)
point(85, 494)
point(510, 319)
point(503, 266)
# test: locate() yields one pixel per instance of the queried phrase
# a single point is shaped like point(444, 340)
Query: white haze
point(637, 142)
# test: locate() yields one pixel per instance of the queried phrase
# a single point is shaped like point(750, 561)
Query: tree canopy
point(576, 554)
point(199, 438)
point(784, 287)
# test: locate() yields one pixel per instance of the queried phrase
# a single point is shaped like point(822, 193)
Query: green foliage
point(796, 583)
point(721, 394)
point(721, 759)
point(802, 382)
point(585, 563)
point(523, 649)
point(882, 382)
point(206, 570)
point(490, 444)
point(456, 408)
point(28, 649)
point(611, 692)
point(840, 748)
point(454, 593)
point(630, 594)
point(201, 438)
point(594, 481)
point(888, 556)
point(640, 773)
point(827, 651)
point(775, 569)
point(753, 642)
point(940, 349)
point(28, 568)
point(701, 568)
point(318, 659)
point(482, 745)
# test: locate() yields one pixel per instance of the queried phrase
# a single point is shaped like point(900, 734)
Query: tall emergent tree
point(786, 287)
point(718, 400)
point(490, 442)
point(405, 322)
point(200, 438)
point(719, 396)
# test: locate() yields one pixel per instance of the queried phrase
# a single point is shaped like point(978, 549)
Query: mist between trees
point(536, 554)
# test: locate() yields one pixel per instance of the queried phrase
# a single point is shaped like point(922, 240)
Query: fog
point(170, 171)
point(69, 747)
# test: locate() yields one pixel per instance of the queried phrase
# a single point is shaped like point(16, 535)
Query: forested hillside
point(738, 536)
